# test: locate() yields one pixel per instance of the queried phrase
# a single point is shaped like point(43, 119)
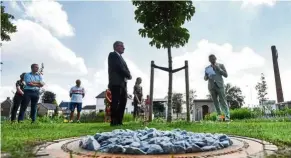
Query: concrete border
point(243, 147)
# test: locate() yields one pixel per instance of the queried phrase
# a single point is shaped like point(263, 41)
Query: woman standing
point(137, 92)
point(18, 97)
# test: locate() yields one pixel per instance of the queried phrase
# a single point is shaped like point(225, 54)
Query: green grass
point(19, 139)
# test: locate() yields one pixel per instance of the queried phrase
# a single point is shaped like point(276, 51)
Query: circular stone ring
point(241, 147)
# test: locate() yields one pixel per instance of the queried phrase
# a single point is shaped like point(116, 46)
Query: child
point(146, 108)
point(107, 102)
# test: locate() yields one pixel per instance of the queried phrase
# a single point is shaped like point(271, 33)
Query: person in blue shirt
point(33, 83)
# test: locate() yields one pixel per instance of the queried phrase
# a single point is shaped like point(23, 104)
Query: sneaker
point(227, 120)
point(71, 121)
point(219, 118)
point(78, 121)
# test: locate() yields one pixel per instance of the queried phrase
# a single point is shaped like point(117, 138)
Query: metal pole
point(187, 90)
point(151, 91)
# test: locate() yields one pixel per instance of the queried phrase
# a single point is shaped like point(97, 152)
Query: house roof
point(89, 107)
point(282, 103)
point(7, 101)
point(203, 100)
point(101, 95)
point(48, 106)
point(64, 104)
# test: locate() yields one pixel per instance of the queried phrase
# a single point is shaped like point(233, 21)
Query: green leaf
point(6, 26)
point(162, 21)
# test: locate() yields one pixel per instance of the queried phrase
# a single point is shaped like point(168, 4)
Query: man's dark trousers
point(17, 101)
point(31, 96)
point(119, 99)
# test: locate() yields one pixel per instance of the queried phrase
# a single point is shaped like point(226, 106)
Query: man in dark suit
point(118, 75)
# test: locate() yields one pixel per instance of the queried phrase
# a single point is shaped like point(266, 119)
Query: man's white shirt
point(77, 94)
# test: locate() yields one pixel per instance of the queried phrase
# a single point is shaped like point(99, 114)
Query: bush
point(236, 114)
point(242, 113)
point(245, 113)
point(100, 117)
point(47, 119)
point(211, 117)
point(283, 112)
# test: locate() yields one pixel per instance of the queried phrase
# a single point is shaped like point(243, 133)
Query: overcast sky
point(73, 40)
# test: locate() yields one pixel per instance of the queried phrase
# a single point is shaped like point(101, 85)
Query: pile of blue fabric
point(150, 141)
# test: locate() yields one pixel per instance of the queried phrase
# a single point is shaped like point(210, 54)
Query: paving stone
point(41, 153)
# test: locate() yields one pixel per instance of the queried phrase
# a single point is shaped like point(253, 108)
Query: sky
point(73, 40)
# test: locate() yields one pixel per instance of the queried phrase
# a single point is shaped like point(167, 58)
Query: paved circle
point(242, 147)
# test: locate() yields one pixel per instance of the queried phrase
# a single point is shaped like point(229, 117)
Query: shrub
point(211, 117)
point(100, 117)
point(236, 114)
point(242, 113)
point(47, 119)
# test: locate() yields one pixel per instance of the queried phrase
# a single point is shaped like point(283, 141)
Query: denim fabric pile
point(150, 141)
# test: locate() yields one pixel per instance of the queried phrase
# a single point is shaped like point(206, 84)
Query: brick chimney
point(280, 97)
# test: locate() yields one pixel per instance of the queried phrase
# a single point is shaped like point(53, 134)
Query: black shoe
point(113, 124)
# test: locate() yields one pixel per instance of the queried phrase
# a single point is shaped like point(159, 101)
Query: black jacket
point(117, 70)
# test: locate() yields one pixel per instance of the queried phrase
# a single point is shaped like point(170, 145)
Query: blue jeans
point(74, 105)
point(31, 96)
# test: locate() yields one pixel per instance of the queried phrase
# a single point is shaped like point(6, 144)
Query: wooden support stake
point(187, 90)
point(151, 91)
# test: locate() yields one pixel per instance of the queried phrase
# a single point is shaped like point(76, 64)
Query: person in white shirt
point(77, 93)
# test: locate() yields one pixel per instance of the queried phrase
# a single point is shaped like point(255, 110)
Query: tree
point(208, 96)
point(158, 108)
point(6, 26)
point(48, 97)
point(262, 88)
point(192, 96)
point(162, 23)
point(234, 96)
point(177, 103)
point(56, 111)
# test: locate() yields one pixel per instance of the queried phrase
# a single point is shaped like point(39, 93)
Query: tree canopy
point(234, 96)
point(49, 97)
point(6, 26)
point(162, 21)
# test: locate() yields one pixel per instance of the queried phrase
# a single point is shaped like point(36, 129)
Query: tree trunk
point(169, 118)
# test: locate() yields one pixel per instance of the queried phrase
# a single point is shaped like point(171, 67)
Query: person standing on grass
point(77, 93)
point(137, 92)
point(214, 73)
point(33, 83)
point(18, 97)
point(118, 74)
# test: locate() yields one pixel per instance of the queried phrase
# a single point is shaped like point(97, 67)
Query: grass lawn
point(19, 139)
